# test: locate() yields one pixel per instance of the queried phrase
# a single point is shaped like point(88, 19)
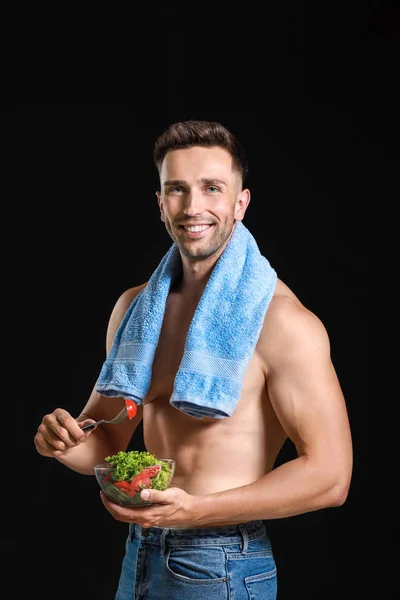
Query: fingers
point(169, 513)
point(67, 427)
point(58, 432)
point(169, 496)
point(151, 496)
point(44, 448)
point(130, 515)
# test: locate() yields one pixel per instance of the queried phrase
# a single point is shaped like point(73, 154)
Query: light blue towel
point(221, 337)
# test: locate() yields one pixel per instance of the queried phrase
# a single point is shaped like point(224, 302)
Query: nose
point(192, 204)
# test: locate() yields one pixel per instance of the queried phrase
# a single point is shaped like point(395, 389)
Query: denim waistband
point(230, 534)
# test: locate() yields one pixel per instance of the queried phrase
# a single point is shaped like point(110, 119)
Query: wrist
point(199, 510)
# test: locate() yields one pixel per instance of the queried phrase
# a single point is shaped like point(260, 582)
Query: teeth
point(197, 228)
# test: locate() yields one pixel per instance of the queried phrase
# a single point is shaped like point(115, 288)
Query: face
point(200, 199)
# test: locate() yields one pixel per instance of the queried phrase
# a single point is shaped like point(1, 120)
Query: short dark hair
point(185, 134)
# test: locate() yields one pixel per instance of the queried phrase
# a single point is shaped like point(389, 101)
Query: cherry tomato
point(139, 482)
point(123, 485)
point(131, 408)
point(152, 471)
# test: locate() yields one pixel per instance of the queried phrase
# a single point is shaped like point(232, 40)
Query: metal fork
point(117, 419)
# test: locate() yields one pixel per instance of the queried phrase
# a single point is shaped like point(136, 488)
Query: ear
point(241, 204)
point(160, 204)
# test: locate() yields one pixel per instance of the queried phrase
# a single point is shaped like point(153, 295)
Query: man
point(206, 533)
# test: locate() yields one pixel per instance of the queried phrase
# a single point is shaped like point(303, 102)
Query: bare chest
point(177, 318)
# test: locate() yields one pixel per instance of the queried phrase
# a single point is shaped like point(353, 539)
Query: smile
point(196, 228)
point(196, 231)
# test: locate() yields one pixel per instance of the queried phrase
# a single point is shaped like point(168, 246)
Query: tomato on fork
point(131, 408)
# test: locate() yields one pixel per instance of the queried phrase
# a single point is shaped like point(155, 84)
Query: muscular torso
point(211, 454)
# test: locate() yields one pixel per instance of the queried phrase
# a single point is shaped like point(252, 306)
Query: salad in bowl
point(124, 475)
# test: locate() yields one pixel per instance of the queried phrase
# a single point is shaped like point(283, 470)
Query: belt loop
point(163, 536)
point(245, 537)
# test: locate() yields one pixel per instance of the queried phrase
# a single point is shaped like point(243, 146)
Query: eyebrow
point(203, 180)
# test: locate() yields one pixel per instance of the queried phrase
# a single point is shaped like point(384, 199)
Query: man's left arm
point(307, 398)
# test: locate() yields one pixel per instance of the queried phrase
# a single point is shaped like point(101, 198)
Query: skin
point(224, 467)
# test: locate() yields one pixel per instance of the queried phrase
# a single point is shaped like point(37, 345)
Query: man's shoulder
point(286, 313)
point(284, 303)
point(122, 304)
point(288, 324)
point(128, 296)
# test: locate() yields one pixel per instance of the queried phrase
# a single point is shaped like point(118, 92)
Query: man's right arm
point(60, 435)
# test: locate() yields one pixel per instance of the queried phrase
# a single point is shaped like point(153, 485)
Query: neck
point(195, 274)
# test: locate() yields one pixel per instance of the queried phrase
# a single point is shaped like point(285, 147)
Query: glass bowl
point(127, 493)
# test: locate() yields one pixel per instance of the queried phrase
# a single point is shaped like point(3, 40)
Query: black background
point(317, 120)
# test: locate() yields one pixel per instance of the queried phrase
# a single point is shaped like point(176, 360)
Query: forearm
point(293, 488)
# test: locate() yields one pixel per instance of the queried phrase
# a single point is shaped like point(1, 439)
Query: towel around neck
point(221, 337)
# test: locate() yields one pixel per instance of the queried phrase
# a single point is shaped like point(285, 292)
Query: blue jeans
point(216, 563)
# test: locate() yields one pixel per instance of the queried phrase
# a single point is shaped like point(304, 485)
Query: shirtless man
point(206, 533)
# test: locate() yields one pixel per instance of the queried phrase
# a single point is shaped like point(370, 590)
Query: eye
point(212, 189)
point(176, 189)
